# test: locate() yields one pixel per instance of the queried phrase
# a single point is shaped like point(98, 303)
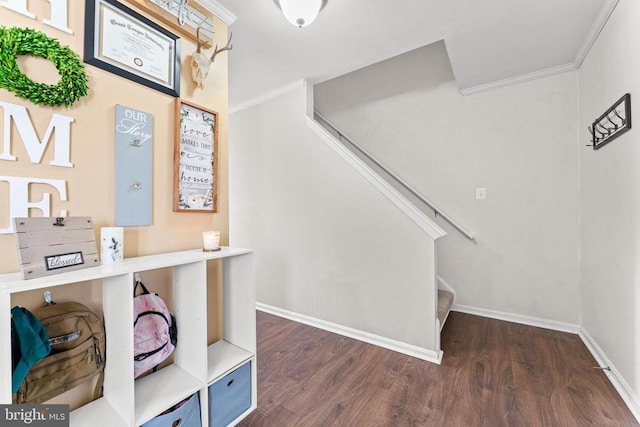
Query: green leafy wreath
point(26, 41)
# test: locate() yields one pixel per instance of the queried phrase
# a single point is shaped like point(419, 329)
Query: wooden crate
point(49, 246)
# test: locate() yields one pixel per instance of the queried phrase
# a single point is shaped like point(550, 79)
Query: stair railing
point(436, 210)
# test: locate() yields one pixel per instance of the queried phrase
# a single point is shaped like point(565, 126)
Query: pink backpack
point(154, 328)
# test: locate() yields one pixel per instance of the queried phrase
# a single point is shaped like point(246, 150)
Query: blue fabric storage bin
point(187, 415)
point(230, 396)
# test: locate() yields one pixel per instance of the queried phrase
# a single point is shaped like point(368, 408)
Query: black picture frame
point(142, 51)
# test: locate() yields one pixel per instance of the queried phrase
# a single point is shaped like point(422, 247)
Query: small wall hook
point(136, 143)
point(606, 129)
point(47, 298)
point(615, 125)
point(615, 111)
point(135, 185)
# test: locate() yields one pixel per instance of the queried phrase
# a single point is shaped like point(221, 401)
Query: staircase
point(446, 295)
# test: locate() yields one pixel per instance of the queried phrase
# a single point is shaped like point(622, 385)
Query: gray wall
point(328, 244)
point(610, 198)
point(519, 142)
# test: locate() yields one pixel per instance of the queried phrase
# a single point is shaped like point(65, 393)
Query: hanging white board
point(51, 245)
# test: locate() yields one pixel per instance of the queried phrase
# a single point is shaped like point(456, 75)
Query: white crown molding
point(618, 382)
point(268, 96)
point(518, 318)
point(596, 28)
point(518, 79)
point(594, 31)
point(432, 229)
point(389, 344)
point(219, 11)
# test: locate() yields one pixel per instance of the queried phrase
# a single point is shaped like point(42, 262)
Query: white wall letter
point(19, 204)
point(19, 6)
point(35, 147)
point(58, 16)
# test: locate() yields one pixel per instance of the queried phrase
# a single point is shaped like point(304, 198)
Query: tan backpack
point(77, 339)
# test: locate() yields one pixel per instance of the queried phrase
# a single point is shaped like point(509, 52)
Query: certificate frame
point(136, 48)
point(195, 158)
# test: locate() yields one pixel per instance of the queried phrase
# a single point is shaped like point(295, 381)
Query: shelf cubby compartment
point(164, 388)
point(224, 357)
point(116, 403)
point(238, 343)
point(230, 396)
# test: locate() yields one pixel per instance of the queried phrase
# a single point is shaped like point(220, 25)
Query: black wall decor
point(613, 123)
point(121, 41)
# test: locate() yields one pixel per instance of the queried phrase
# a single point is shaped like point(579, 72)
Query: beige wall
point(90, 182)
point(610, 199)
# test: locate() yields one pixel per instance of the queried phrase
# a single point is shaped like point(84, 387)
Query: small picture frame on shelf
point(195, 158)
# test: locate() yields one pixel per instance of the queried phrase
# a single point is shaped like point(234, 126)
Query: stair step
point(445, 301)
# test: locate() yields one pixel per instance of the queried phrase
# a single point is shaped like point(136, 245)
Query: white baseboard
point(389, 344)
point(618, 382)
point(518, 318)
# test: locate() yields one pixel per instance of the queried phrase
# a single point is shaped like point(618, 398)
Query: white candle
point(111, 244)
point(211, 241)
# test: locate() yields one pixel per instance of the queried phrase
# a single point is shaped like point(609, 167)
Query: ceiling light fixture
point(300, 12)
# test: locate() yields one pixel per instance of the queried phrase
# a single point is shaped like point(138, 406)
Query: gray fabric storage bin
point(230, 396)
point(187, 415)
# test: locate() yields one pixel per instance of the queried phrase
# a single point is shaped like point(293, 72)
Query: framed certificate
point(195, 159)
point(123, 42)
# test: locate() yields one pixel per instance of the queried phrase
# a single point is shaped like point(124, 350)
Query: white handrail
point(436, 210)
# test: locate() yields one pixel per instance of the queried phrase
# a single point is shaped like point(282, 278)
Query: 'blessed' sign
point(61, 261)
point(49, 246)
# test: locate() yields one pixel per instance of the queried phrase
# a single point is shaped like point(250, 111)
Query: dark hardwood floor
point(494, 373)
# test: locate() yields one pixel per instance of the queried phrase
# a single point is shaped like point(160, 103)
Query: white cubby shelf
point(128, 402)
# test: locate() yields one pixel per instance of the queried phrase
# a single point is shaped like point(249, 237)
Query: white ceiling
point(490, 42)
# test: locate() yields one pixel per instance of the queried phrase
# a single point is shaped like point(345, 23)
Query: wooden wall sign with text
point(195, 159)
point(49, 246)
point(182, 16)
